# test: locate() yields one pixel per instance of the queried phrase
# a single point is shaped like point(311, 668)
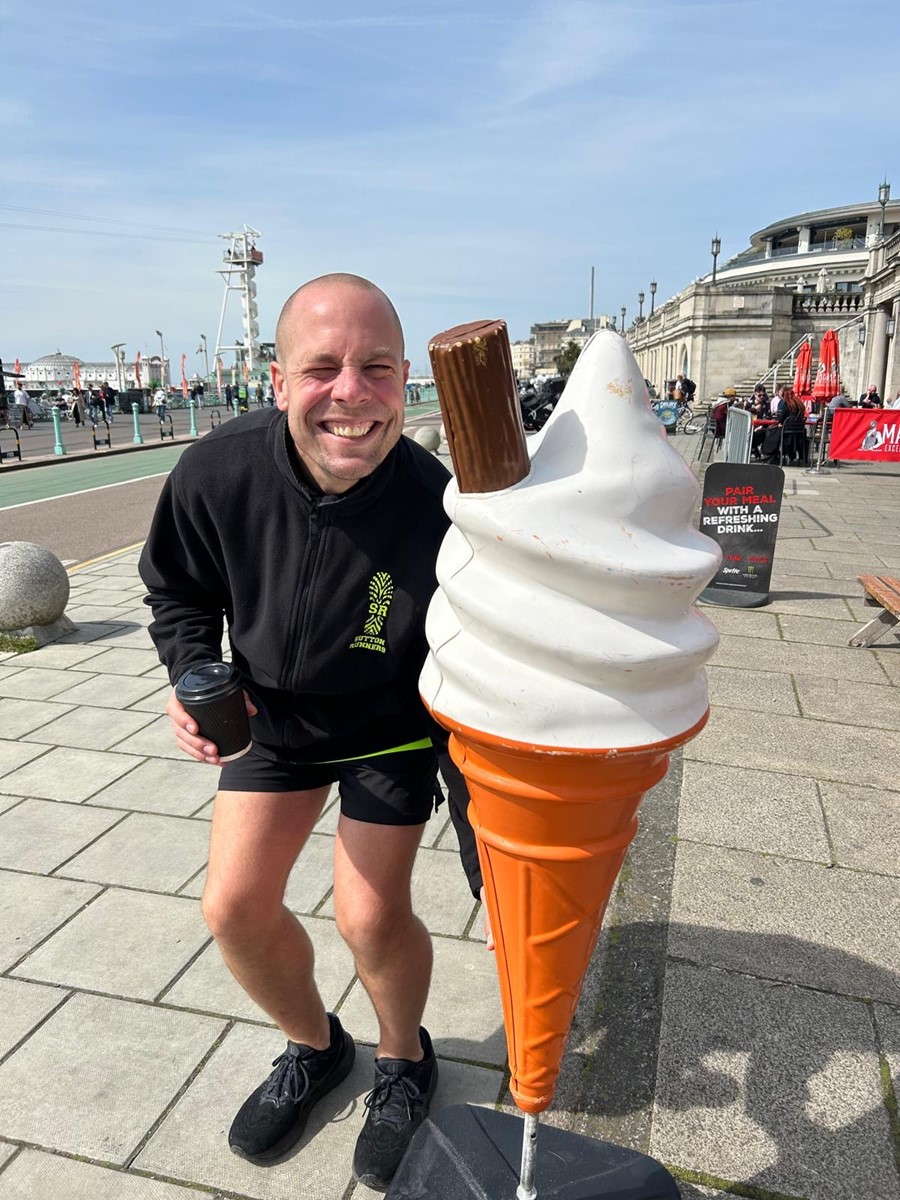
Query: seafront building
point(56, 373)
point(837, 268)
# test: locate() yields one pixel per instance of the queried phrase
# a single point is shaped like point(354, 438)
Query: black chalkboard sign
point(741, 510)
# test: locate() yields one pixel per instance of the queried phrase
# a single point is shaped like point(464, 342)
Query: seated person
point(792, 418)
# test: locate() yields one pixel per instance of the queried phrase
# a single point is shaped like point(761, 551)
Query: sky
point(475, 160)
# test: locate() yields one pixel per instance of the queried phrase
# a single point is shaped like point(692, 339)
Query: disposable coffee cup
point(214, 696)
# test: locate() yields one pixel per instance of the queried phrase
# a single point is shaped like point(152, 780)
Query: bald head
point(320, 290)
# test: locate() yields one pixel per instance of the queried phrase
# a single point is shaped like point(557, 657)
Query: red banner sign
point(866, 434)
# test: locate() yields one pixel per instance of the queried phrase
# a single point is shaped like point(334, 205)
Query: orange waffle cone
point(553, 827)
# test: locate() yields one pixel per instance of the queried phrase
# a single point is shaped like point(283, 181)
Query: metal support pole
point(58, 447)
point(135, 413)
point(526, 1189)
point(193, 417)
point(234, 405)
point(818, 469)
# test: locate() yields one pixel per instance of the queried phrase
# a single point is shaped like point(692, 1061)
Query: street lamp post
point(652, 296)
point(205, 355)
point(623, 320)
point(884, 194)
point(715, 247)
point(162, 362)
point(119, 351)
point(640, 306)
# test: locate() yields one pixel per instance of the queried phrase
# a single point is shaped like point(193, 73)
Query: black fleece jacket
point(324, 597)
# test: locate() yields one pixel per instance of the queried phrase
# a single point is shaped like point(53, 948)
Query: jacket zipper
point(318, 521)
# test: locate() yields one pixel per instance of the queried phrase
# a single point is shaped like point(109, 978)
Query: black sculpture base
point(468, 1153)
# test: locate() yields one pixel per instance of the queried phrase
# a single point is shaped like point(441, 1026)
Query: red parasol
point(137, 369)
point(803, 371)
point(828, 378)
point(17, 370)
point(76, 373)
point(184, 382)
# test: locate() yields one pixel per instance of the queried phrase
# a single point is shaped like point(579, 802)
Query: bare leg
point(391, 946)
point(256, 838)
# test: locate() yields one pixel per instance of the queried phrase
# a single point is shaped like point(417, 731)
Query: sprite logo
point(381, 593)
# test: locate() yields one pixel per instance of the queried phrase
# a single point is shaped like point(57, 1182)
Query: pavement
point(740, 1021)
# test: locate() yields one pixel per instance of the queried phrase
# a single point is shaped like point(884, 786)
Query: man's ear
point(279, 386)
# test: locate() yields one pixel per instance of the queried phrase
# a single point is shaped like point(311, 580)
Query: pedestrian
point(77, 407)
point(322, 508)
point(270, 396)
point(159, 403)
point(259, 394)
point(21, 409)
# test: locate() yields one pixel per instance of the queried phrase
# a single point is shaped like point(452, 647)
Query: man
point(870, 398)
point(20, 400)
point(895, 403)
point(159, 403)
point(777, 402)
point(314, 526)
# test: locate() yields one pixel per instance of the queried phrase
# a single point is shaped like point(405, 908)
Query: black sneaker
point(271, 1121)
point(397, 1106)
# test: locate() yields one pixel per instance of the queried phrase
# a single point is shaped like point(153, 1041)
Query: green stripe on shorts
point(422, 744)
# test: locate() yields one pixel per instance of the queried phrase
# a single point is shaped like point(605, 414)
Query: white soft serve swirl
point(564, 613)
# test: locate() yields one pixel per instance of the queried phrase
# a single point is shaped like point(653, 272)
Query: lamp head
point(884, 192)
point(716, 244)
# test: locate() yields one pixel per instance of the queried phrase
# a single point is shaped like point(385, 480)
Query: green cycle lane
point(65, 478)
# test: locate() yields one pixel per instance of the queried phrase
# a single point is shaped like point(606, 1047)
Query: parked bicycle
point(688, 421)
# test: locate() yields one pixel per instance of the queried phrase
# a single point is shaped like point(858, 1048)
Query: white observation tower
point(241, 260)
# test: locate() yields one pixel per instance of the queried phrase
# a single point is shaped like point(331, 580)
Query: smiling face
point(341, 380)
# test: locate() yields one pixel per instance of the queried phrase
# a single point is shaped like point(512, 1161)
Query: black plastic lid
point(205, 681)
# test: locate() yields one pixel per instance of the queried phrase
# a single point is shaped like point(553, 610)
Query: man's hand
point(488, 932)
point(186, 730)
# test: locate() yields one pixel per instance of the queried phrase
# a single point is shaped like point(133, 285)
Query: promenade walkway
point(741, 1020)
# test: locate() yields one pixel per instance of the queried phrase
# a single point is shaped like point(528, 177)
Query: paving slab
point(155, 739)
point(36, 1175)
point(887, 1023)
point(777, 1087)
point(18, 717)
point(752, 810)
point(8, 802)
point(60, 657)
point(888, 658)
point(65, 774)
point(799, 922)
point(31, 907)
point(746, 622)
point(14, 755)
point(162, 786)
point(191, 1143)
point(464, 980)
point(124, 662)
point(156, 701)
point(126, 943)
point(792, 658)
point(795, 746)
point(82, 614)
point(820, 631)
point(145, 850)
point(209, 986)
point(848, 702)
point(124, 1063)
point(854, 815)
point(38, 683)
point(87, 631)
point(785, 565)
point(39, 835)
point(752, 691)
point(125, 691)
point(90, 728)
point(22, 1006)
point(6, 1152)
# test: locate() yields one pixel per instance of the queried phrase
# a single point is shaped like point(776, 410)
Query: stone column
point(892, 380)
point(878, 355)
point(803, 243)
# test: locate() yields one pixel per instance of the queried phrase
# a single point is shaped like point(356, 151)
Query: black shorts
point(387, 789)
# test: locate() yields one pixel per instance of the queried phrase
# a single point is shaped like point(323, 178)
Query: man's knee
point(372, 924)
point(235, 916)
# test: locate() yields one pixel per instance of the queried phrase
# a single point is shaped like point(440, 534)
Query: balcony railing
point(809, 304)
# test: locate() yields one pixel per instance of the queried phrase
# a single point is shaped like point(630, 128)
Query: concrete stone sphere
point(430, 438)
point(34, 586)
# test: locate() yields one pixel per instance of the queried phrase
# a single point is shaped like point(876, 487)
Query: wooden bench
point(884, 593)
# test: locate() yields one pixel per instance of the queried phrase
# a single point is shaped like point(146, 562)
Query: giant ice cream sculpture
point(566, 655)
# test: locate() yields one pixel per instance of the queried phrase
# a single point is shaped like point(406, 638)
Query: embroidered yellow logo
point(381, 593)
